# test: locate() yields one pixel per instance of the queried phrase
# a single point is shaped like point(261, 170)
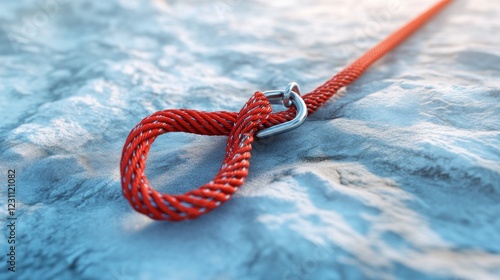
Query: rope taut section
point(240, 127)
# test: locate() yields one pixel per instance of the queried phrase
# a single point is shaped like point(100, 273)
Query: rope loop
point(241, 130)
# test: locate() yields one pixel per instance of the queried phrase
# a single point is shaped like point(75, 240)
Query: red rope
point(240, 128)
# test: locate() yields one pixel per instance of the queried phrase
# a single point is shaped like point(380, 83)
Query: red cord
point(240, 128)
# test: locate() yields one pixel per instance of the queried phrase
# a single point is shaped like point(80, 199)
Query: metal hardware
point(288, 97)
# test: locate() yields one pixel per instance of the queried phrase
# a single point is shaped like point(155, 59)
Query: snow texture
point(398, 177)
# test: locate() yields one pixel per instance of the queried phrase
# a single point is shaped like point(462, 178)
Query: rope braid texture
point(240, 127)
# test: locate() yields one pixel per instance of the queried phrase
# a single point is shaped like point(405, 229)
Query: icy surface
point(397, 178)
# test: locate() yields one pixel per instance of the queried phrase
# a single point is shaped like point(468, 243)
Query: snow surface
point(396, 178)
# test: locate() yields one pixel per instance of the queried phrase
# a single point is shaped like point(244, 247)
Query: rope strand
point(240, 127)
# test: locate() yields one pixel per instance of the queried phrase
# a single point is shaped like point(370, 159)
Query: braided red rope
point(240, 128)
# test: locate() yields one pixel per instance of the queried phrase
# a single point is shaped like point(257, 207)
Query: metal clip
point(291, 95)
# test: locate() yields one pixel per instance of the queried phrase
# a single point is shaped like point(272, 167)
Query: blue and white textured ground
point(398, 178)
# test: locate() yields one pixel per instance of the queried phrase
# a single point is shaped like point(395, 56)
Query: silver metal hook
point(287, 97)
